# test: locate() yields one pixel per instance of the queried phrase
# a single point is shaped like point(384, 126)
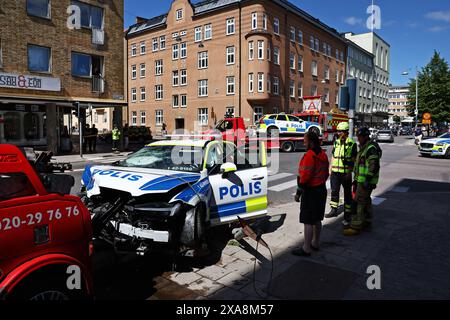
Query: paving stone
point(185, 278)
point(225, 260)
point(240, 266)
point(205, 287)
point(229, 294)
point(213, 272)
point(234, 280)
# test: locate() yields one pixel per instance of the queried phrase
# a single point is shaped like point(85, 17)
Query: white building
point(398, 102)
point(381, 50)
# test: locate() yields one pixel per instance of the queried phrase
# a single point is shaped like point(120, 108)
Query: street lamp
point(417, 92)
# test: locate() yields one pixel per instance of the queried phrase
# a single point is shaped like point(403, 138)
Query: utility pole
point(417, 95)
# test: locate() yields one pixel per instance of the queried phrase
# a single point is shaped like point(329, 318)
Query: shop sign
point(30, 82)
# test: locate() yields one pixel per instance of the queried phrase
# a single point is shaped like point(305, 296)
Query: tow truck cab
point(45, 237)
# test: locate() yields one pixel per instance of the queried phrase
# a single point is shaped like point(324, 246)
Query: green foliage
point(397, 119)
point(434, 90)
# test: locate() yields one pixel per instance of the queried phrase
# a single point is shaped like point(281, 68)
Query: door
point(242, 193)
point(179, 124)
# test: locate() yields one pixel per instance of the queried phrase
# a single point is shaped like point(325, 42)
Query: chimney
point(140, 20)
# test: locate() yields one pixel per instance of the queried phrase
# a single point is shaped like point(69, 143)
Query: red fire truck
point(45, 234)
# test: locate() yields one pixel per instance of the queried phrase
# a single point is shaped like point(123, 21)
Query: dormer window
point(179, 14)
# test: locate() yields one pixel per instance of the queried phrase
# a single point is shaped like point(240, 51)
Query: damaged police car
point(170, 192)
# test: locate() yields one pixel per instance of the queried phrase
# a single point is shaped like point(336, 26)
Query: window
point(203, 60)
point(133, 72)
point(264, 22)
point(175, 52)
point(292, 89)
point(269, 84)
point(143, 47)
point(183, 78)
point(337, 76)
point(300, 37)
point(175, 78)
point(81, 65)
point(39, 59)
point(337, 54)
point(133, 95)
point(300, 90)
point(202, 88)
point(133, 50)
point(313, 90)
point(158, 67)
point(257, 114)
point(208, 32)
point(202, 116)
point(143, 70)
point(162, 42)
point(314, 68)
point(292, 34)
point(250, 82)
point(300, 63)
point(230, 85)
point(230, 111)
point(329, 50)
point(254, 21)
point(317, 45)
point(276, 85)
point(311, 42)
point(269, 51)
point(276, 26)
point(326, 73)
point(292, 61)
point(276, 55)
point(326, 97)
point(183, 100)
point(230, 55)
point(230, 26)
point(91, 16)
point(134, 118)
point(337, 98)
point(183, 50)
point(159, 117)
point(198, 34)
point(175, 101)
point(143, 117)
point(39, 8)
point(155, 44)
point(324, 48)
point(159, 92)
point(179, 14)
point(260, 50)
point(251, 50)
point(260, 82)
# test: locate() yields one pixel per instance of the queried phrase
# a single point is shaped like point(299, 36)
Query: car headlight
point(440, 144)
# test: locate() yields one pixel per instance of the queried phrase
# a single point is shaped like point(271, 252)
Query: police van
point(171, 192)
point(284, 124)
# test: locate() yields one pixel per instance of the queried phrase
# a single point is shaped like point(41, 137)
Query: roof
point(180, 143)
point(207, 6)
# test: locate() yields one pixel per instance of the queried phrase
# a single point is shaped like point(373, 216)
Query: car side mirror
point(227, 168)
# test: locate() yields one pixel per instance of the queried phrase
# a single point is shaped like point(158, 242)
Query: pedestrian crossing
point(280, 182)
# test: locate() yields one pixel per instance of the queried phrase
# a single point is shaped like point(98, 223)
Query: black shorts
point(312, 206)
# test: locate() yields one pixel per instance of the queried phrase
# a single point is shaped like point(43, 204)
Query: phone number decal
point(32, 219)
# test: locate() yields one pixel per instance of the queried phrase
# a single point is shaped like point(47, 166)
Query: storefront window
point(31, 126)
point(12, 126)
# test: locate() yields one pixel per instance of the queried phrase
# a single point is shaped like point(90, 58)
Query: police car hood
point(136, 181)
point(436, 140)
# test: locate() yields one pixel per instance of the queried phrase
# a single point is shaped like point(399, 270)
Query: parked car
point(385, 136)
point(438, 147)
point(139, 134)
point(285, 124)
point(406, 131)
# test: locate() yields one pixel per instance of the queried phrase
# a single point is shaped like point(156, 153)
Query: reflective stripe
point(343, 161)
point(257, 204)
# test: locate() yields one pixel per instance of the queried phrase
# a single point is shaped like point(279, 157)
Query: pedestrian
point(94, 136)
point(115, 138)
point(342, 163)
point(313, 175)
point(86, 133)
point(367, 170)
point(126, 140)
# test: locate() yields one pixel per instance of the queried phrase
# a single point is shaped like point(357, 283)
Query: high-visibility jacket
point(344, 155)
point(115, 134)
point(313, 169)
point(368, 164)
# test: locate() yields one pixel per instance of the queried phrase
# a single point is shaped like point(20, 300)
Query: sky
point(413, 28)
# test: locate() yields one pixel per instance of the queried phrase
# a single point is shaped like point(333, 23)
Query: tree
point(397, 119)
point(434, 90)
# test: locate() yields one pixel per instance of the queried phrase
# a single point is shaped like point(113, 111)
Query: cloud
point(439, 16)
point(437, 29)
point(353, 21)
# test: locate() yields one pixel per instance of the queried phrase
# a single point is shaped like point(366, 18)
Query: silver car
point(385, 136)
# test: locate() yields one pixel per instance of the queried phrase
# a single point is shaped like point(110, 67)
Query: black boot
point(333, 213)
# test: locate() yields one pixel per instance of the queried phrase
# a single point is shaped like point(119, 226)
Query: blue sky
point(414, 28)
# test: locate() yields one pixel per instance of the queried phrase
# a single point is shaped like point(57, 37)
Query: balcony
point(98, 84)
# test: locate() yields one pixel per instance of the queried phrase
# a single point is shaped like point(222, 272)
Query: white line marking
point(377, 201)
point(400, 189)
point(284, 186)
point(279, 176)
point(77, 170)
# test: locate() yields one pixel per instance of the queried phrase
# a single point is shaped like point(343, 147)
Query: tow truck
point(45, 233)
point(328, 120)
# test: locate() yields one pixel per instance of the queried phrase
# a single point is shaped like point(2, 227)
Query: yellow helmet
point(343, 126)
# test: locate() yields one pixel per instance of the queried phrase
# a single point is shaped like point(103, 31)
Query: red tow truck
point(45, 234)
point(233, 129)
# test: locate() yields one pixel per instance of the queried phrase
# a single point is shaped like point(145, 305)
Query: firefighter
point(367, 170)
point(342, 162)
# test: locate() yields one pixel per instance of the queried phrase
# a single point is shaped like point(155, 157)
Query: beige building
point(48, 62)
point(251, 58)
point(398, 102)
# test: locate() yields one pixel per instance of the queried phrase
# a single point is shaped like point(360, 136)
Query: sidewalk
point(409, 243)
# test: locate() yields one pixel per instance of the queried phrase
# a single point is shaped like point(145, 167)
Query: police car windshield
point(176, 158)
point(445, 136)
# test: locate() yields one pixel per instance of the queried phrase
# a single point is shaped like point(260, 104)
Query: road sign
point(424, 121)
point(426, 118)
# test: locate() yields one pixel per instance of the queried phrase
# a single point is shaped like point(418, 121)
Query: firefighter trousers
point(337, 179)
point(363, 216)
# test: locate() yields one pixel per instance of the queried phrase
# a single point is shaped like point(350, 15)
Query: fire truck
point(45, 233)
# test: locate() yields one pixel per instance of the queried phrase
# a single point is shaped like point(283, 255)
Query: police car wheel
point(287, 147)
point(193, 231)
point(447, 154)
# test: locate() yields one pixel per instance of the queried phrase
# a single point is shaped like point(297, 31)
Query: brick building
point(201, 60)
point(48, 62)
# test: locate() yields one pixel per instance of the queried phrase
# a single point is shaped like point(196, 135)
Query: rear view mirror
point(227, 168)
